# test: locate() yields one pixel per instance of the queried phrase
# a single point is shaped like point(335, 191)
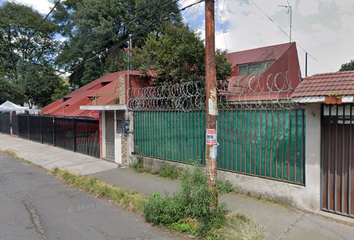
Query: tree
point(10, 91)
point(27, 53)
point(177, 54)
point(347, 66)
point(93, 27)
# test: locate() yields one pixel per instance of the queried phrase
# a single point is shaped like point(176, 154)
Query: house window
point(243, 69)
point(253, 68)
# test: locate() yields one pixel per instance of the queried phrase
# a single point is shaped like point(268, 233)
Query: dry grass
point(122, 197)
point(239, 227)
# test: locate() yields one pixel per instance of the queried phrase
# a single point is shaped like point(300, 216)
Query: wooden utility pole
point(211, 98)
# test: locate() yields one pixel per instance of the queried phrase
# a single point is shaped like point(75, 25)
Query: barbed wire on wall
point(239, 92)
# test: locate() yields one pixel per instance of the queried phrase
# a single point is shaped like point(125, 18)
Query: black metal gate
point(5, 123)
point(74, 134)
point(337, 161)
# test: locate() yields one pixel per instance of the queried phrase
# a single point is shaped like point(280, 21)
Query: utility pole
point(211, 99)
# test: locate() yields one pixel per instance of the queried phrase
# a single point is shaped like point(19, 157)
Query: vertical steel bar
point(241, 139)
point(266, 145)
point(260, 142)
point(295, 151)
point(329, 156)
point(271, 148)
point(335, 162)
point(289, 143)
point(249, 136)
point(322, 155)
point(350, 161)
point(342, 168)
point(277, 147)
point(255, 144)
point(237, 138)
point(224, 146)
point(303, 135)
point(283, 148)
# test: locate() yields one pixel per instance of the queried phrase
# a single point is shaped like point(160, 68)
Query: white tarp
point(11, 107)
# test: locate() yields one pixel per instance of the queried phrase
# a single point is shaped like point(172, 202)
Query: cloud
point(42, 6)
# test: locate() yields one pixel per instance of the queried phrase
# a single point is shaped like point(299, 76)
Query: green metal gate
point(263, 143)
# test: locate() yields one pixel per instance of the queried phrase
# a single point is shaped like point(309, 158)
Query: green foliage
point(224, 187)
point(138, 166)
point(183, 226)
point(347, 66)
point(61, 91)
point(192, 201)
point(93, 26)
point(27, 54)
point(335, 95)
point(169, 171)
point(177, 54)
point(11, 92)
point(239, 227)
point(119, 196)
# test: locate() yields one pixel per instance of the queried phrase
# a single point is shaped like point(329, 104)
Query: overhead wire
point(285, 32)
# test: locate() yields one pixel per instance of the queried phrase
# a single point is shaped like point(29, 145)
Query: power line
point(143, 17)
point(46, 17)
point(284, 31)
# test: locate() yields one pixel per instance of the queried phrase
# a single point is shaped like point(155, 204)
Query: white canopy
point(11, 107)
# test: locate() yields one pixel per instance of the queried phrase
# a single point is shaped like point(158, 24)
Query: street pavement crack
point(35, 219)
point(290, 227)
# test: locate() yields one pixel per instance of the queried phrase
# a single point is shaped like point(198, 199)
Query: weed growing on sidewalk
point(239, 227)
point(138, 167)
point(122, 197)
point(170, 172)
point(188, 210)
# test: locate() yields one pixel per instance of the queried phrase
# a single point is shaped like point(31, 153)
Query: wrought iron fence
point(263, 143)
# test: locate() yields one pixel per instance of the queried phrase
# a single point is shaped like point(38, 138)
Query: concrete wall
point(304, 197)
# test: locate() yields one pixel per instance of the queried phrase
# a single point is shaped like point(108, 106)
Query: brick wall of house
point(121, 89)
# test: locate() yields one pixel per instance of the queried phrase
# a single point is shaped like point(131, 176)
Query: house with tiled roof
point(104, 99)
point(328, 98)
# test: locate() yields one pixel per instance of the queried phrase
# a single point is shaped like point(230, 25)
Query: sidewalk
point(279, 222)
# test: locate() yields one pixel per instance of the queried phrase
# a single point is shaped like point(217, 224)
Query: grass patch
point(188, 210)
point(170, 172)
point(14, 155)
point(119, 196)
point(239, 227)
point(138, 167)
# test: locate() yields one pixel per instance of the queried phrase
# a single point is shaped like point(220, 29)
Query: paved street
point(35, 205)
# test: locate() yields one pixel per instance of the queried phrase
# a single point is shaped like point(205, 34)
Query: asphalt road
point(35, 205)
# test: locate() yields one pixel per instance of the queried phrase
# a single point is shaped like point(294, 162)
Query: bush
point(191, 202)
point(169, 172)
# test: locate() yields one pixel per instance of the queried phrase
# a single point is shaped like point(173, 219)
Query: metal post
point(211, 98)
point(306, 64)
point(74, 134)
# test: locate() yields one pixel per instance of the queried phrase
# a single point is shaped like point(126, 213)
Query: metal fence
point(337, 192)
point(263, 143)
point(74, 134)
point(5, 123)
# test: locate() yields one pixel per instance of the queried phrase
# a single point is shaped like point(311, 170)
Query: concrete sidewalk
point(278, 222)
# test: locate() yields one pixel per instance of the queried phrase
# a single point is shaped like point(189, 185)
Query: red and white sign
point(211, 137)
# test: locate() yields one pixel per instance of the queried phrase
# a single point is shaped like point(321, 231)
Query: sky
point(322, 28)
